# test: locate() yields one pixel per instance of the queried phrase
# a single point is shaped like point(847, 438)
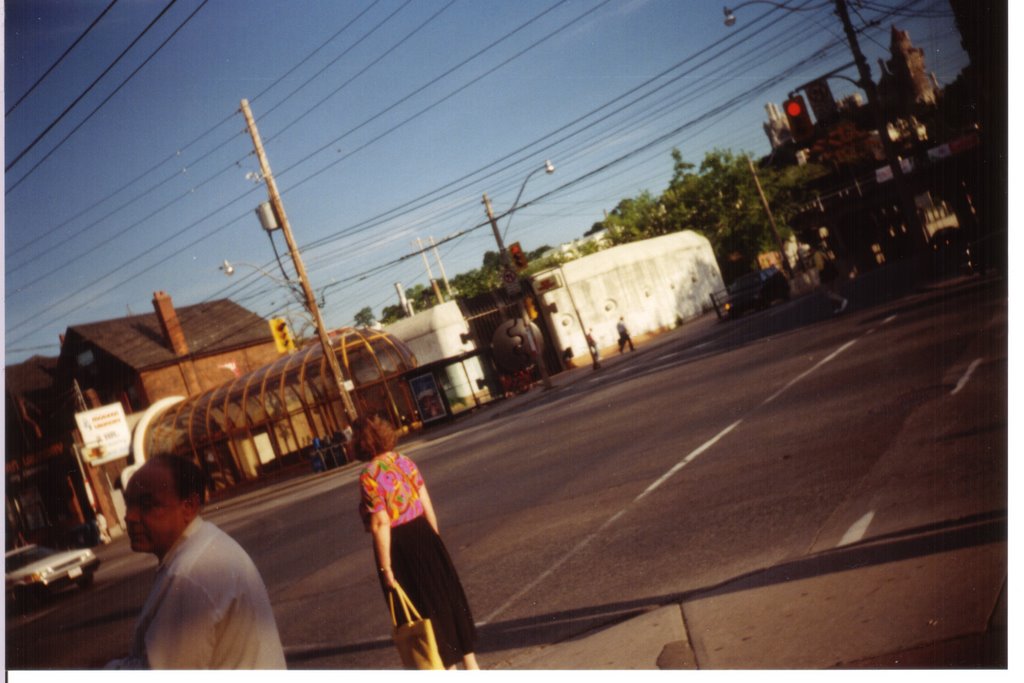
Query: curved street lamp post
point(506, 263)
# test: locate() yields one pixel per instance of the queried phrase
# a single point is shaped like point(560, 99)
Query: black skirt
point(425, 571)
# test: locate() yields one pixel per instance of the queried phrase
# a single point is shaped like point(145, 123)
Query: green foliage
point(364, 317)
point(718, 199)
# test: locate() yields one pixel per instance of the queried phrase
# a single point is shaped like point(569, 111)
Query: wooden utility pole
point(430, 273)
point(771, 219)
point(300, 269)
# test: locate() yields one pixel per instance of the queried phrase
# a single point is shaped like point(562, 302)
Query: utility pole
point(771, 219)
point(440, 265)
point(430, 273)
point(506, 262)
point(300, 269)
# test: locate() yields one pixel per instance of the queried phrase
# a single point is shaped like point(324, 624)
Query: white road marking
point(805, 373)
point(857, 531)
point(685, 461)
point(661, 480)
point(966, 377)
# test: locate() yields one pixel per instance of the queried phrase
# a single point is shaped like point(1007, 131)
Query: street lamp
point(548, 168)
point(506, 262)
point(907, 205)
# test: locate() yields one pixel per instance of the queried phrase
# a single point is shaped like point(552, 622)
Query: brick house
point(135, 361)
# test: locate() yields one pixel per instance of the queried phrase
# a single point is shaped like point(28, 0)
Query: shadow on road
point(554, 627)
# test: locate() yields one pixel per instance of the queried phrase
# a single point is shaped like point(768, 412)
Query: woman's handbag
point(414, 639)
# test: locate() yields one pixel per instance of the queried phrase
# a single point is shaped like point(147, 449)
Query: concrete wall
point(654, 285)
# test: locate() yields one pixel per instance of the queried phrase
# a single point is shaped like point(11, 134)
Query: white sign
point(511, 281)
point(105, 434)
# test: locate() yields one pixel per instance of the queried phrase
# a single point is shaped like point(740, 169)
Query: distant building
point(777, 126)
point(905, 85)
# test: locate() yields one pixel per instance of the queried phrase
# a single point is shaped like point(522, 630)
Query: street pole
point(300, 269)
point(898, 177)
point(430, 273)
point(506, 262)
point(440, 265)
point(771, 219)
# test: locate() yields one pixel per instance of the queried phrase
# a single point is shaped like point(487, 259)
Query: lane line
point(857, 531)
point(805, 373)
point(686, 461)
point(657, 483)
point(966, 377)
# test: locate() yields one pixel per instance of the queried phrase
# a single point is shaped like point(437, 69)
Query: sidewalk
point(941, 610)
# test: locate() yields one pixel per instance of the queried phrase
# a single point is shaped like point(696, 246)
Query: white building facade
point(653, 285)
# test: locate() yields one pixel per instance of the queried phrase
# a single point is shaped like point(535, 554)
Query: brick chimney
point(169, 323)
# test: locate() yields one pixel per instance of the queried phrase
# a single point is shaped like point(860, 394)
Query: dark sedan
point(756, 291)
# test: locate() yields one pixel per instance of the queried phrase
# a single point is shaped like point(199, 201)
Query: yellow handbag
point(414, 639)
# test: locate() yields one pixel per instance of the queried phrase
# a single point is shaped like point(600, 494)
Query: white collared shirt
point(208, 608)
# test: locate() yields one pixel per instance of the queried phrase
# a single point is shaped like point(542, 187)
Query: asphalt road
point(669, 471)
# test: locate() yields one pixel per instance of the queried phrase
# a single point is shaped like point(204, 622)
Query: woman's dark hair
point(188, 478)
point(373, 436)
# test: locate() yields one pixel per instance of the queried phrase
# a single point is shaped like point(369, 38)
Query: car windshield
point(27, 557)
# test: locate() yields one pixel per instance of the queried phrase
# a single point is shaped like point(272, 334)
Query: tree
point(365, 317)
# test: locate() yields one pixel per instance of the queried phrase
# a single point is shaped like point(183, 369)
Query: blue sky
point(384, 121)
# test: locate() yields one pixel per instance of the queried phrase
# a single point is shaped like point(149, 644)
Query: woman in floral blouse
point(396, 509)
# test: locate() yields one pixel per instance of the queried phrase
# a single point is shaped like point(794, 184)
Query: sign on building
point(105, 434)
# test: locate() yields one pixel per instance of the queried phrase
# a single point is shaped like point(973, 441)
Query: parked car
point(755, 291)
point(34, 571)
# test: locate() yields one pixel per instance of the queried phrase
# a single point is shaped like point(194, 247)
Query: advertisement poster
point(428, 398)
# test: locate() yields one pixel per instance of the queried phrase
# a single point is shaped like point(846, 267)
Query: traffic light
point(530, 304)
point(800, 124)
point(518, 257)
point(283, 339)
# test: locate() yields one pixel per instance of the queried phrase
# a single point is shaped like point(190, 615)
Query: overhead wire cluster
point(646, 110)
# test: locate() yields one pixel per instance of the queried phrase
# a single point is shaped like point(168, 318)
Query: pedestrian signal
point(518, 257)
point(800, 124)
point(283, 339)
point(530, 304)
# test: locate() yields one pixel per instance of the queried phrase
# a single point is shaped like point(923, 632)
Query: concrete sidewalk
point(940, 610)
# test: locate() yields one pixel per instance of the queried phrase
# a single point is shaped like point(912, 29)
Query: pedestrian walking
point(592, 345)
point(397, 510)
point(827, 276)
point(208, 607)
point(624, 337)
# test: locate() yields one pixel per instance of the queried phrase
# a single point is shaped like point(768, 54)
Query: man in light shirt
point(208, 608)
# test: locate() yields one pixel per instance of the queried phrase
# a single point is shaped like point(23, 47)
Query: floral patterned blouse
point(391, 483)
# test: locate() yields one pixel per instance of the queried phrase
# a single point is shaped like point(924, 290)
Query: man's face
point(156, 516)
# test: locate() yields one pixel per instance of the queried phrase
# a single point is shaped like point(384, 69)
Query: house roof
point(32, 375)
point(139, 342)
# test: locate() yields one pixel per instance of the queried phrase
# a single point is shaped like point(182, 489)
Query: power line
point(106, 99)
point(85, 92)
point(61, 58)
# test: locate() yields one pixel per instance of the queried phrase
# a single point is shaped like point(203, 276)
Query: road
point(668, 472)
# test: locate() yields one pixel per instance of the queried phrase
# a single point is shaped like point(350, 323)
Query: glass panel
point(364, 369)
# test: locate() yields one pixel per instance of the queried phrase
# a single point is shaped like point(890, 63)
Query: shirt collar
point(192, 527)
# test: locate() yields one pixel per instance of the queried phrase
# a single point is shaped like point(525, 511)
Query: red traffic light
point(800, 124)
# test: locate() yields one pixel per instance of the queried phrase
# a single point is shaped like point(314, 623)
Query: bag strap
point(406, 603)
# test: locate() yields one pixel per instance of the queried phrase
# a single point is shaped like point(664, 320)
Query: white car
point(34, 571)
